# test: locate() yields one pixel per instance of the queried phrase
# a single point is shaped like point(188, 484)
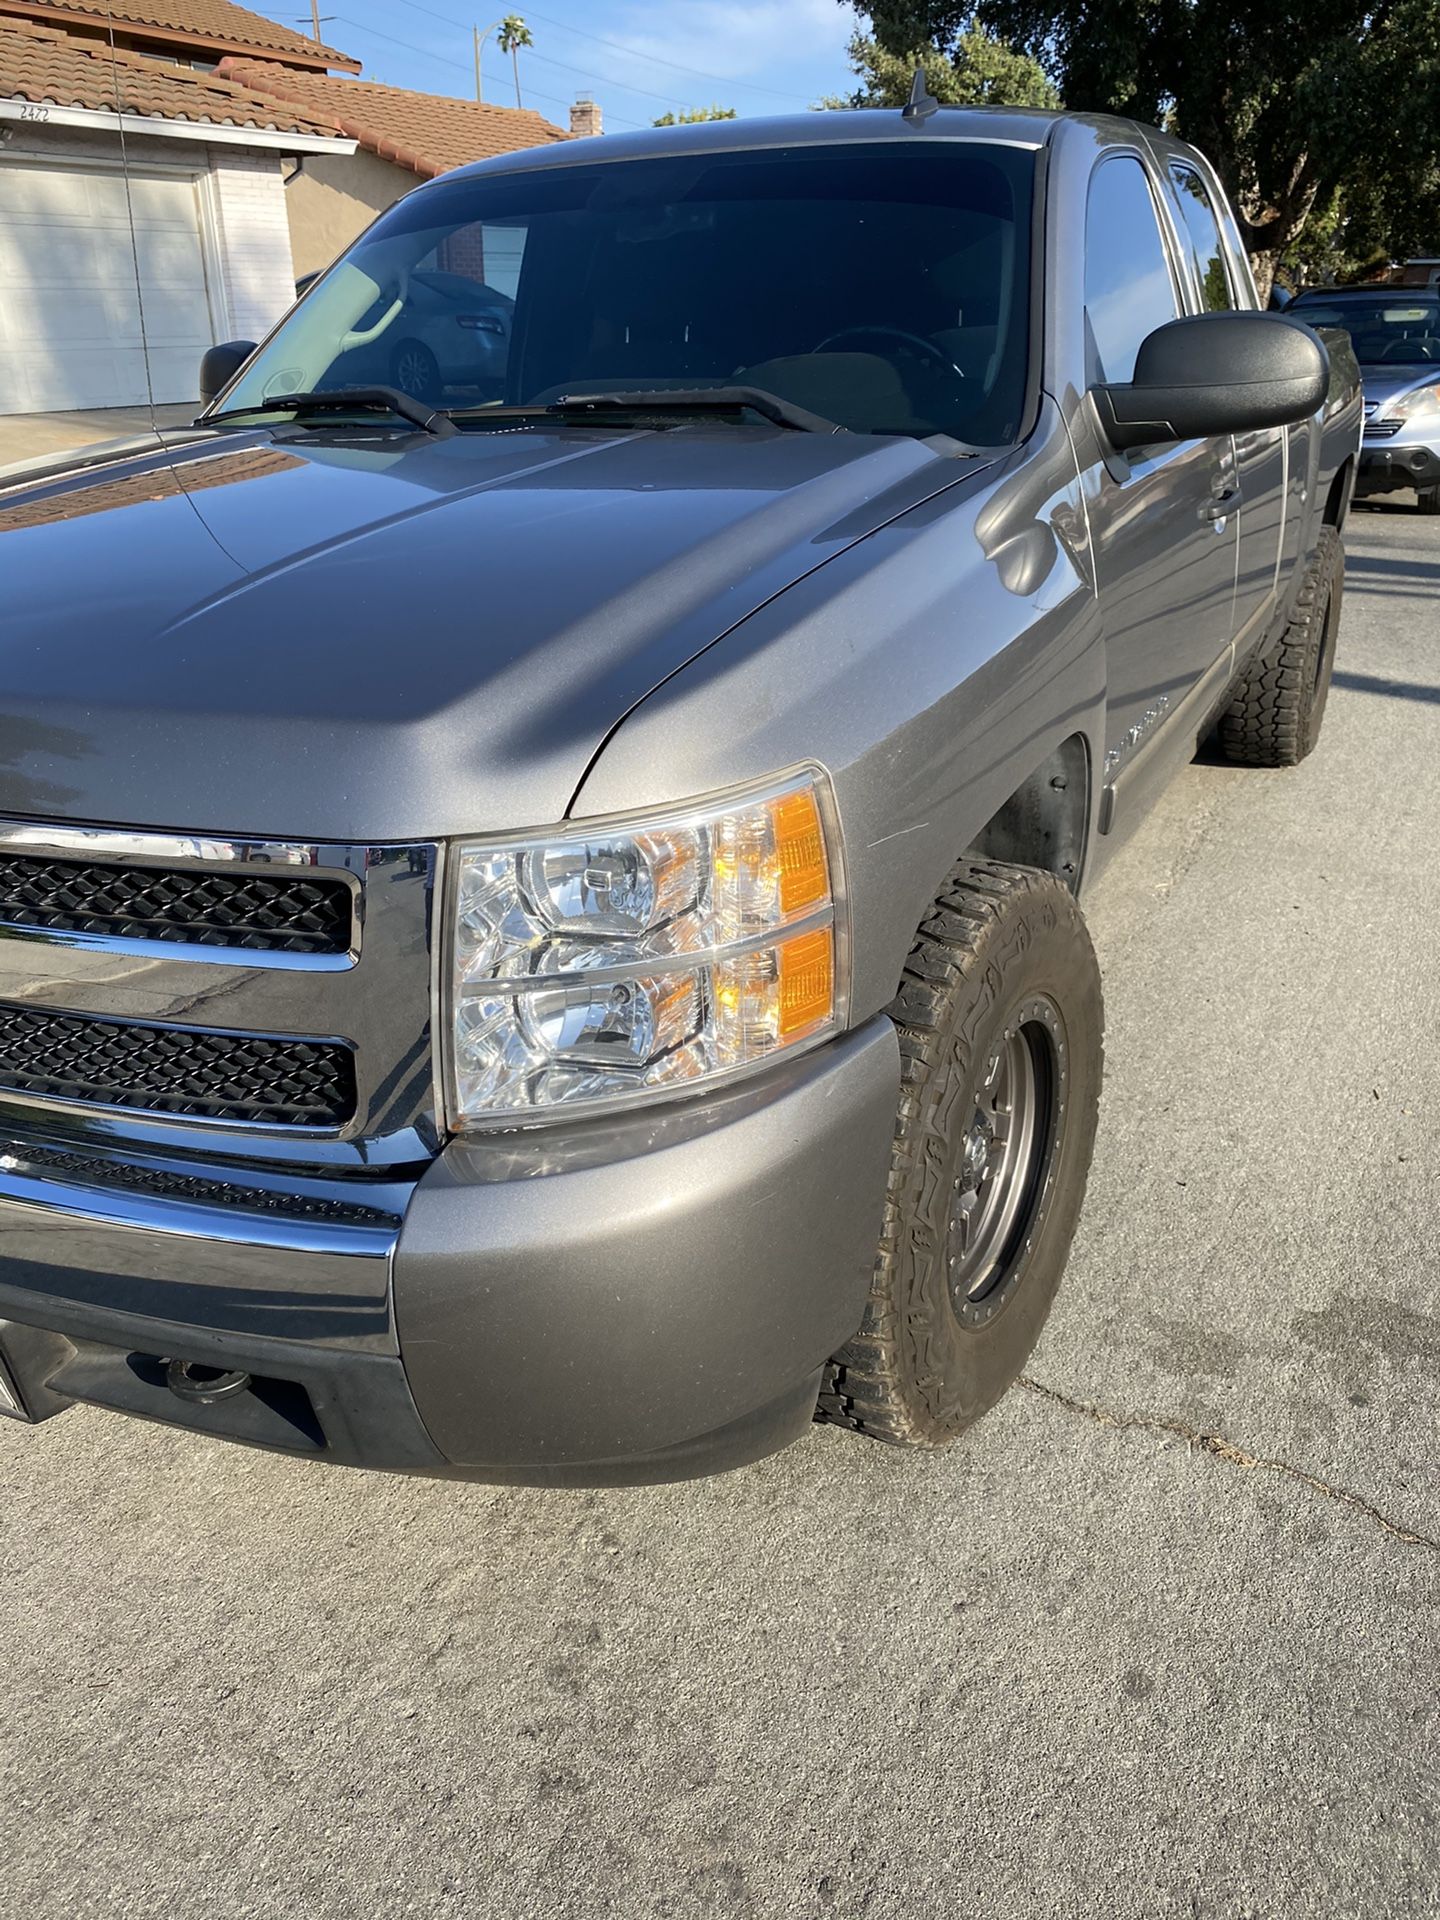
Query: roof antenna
point(922, 102)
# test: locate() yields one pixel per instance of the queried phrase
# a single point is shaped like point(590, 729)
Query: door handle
point(1220, 507)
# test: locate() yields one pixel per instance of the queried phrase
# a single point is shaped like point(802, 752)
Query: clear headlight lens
point(1417, 400)
point(602, 965)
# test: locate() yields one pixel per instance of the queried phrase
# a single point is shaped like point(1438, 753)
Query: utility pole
point(315, 16)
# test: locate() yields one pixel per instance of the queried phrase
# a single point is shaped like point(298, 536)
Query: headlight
point(1417, 400)
point(615, 962)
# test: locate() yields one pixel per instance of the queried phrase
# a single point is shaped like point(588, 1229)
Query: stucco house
point(82, 292)
point(252, 154)
point(401, 138)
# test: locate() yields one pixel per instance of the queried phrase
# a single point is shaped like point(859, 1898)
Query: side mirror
point(1216, 373)
point(220, 366)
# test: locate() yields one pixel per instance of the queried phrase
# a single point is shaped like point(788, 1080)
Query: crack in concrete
point(1220, 1448)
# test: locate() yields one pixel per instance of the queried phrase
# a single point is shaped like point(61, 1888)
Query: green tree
point(692, 116)
point(1330, 247)
point(1295, 101)
point(513, 35)
point(978, 71)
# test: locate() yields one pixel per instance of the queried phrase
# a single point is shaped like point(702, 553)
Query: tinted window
point(1203, 232)
point(1129, 289)
point(883, 287)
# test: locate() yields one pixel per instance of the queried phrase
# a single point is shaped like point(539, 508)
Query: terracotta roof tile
point(217, 23)
point(38, 65)
point(427, 132)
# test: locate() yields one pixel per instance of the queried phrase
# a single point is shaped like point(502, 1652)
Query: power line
point(444, 60)
point(425, 53)
point(624, 86)
point(460, 66)
point(585, 73)
point(633, 53)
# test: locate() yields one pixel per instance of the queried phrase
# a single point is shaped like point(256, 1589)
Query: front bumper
point(628, 1300)
point(1387, 466)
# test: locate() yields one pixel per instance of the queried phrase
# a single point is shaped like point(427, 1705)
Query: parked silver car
point(431, 334)
point(1395, 332)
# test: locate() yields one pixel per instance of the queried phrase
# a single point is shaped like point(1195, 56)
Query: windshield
point(1392, 328)
point(884, 288)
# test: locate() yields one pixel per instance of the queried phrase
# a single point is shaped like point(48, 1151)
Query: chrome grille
point(187, 982)
point(1382, 429)
point(179, 1071)
point(252, 909)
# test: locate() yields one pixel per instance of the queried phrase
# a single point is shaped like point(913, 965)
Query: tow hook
point(203, 1386)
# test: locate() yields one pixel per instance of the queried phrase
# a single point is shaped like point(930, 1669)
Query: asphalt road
point(1160, 1638)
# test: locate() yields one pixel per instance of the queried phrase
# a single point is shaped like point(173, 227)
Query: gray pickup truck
point(539, 916)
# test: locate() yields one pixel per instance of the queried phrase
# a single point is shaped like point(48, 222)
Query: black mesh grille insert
point(259, 909)
point(208, 1076)
point(95, 1170)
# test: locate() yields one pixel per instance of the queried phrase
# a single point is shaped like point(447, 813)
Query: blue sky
point(636, 57)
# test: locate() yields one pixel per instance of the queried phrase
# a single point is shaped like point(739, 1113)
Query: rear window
point(1202, 231)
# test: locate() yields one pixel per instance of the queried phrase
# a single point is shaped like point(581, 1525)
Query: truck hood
point(369, 637)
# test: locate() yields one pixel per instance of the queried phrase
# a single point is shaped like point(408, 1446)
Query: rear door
point(1220, 286)
point(1162, 518)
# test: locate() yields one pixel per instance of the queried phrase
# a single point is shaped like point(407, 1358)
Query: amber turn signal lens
point(806, 982)
point(800, 849)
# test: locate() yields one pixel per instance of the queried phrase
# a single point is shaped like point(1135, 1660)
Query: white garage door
point(69, 313)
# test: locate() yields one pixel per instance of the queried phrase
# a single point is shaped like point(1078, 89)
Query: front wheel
point(1429, 498)
point(999, 1017)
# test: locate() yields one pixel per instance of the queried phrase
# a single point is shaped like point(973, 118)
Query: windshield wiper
point(649, 402)
point(344, 400)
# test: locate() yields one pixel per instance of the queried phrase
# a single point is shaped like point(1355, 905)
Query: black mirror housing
point(219, 366)
point(1214, 373)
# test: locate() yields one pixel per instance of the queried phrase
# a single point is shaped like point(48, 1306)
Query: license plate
point(10, 1401)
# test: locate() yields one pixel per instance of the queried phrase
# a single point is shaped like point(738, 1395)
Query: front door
point(1162, 520)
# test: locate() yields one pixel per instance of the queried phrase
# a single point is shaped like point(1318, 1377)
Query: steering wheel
point(927, 349)
point(1407, 350)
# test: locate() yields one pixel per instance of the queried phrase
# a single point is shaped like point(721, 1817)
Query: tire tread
point(1274, 711)
point(865, 1387)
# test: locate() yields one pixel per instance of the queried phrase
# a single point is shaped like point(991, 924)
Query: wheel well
point(1337, 501)
point(1043, 822)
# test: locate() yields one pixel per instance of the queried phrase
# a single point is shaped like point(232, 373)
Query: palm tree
point(513, 35)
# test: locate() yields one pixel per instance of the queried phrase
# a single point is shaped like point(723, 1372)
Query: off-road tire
point(1274, 713)
point(998, 939)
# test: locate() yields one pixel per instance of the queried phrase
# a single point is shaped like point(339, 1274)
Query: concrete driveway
point(26, 436)
point(1160, 1638)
